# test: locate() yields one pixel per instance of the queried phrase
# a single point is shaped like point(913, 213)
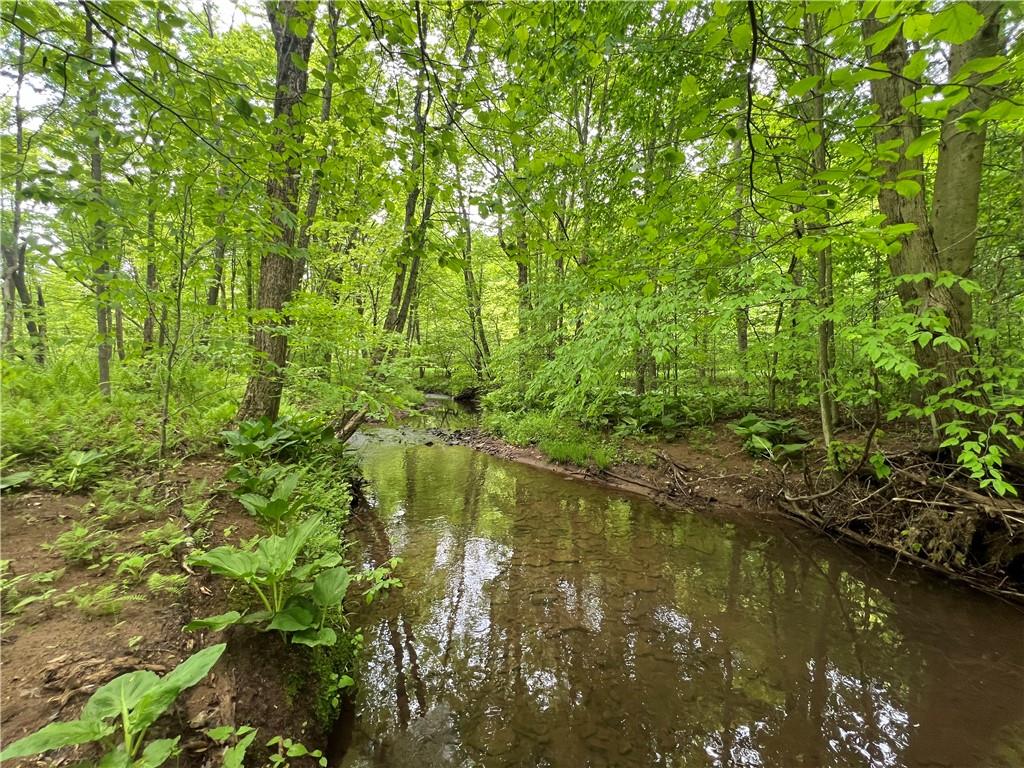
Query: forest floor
point(116, 594)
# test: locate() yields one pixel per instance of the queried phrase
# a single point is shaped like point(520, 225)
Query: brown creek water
point(548, 622)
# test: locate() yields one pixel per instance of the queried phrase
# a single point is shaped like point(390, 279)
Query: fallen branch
point(352, 424)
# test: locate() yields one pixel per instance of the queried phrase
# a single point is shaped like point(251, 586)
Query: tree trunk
point(815, 115)
point(292, 23)
point(481, 352)
point(150, 321)
point(14, 249)
point(415, 233)
point(119, 331)
point(313, 201)
point(102, 273)
point(945, 240)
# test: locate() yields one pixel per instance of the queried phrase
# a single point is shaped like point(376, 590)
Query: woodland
point(236, 232)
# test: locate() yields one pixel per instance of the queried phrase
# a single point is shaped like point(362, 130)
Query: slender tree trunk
point(742, 314)
point(481, 352)
point(101, 277)
point(313, 200)
point(292, 23)
point(14, 249)
point(819, 163)
point(150, 322)
point(415, 233)
point(119, 331)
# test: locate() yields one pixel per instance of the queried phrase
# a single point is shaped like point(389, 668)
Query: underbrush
point(661, 413)
point(58, 426)
point(143, 533)
point(559, 439)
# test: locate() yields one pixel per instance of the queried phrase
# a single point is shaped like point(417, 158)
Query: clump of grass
point(581, 454)
point(82, 544)
point(108, 600)
point(171, 585)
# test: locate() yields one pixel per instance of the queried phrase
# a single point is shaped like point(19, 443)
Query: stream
point(549, 622)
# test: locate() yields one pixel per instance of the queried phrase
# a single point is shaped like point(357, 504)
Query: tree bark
point(414, 238)
point(819, 163)
point(102, 272)
point(14, 248)
point(313, 200)
point(943, 241)
point(150, 322)
point(292, 24)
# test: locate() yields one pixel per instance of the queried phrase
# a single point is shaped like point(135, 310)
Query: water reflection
point(545, 622)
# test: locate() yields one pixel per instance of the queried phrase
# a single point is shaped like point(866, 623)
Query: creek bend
point(550, 622)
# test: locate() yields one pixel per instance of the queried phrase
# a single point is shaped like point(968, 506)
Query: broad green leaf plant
point(119, 715)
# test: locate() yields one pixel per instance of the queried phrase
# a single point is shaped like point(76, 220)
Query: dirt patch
point(98, 623)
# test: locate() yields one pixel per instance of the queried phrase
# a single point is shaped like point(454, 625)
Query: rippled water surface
point(548, 622)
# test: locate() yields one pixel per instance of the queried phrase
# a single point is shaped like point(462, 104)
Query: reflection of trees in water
point(624, 635)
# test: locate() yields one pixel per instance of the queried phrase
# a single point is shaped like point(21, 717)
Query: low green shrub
point(119, 714)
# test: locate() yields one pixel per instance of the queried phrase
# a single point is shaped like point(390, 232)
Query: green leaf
point(741, 37)
point(286, 486)
point(221, 732)
point(313, 638)
point(881, 39)
point(330, 586)
point(57, 735)
point(922, 143)
point(916, 27)
point(228, 561)
point(904, 187)
point(234, 757)
point(13, 479)
point(157, 753)
point(957, 23)
point(115, 758)
point(156, 701)
point(216, 623)
point(803, 85)
point(123, 692)
point(242, 106)
point(294, 618)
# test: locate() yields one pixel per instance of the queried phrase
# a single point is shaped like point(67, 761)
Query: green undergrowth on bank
point(152, 519)
point(559, 439)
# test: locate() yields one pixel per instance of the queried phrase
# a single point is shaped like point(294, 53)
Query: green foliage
point(129, 704)
point(296, 598)
point(771, 438)
point(289, 748)
point(82, 544)
point(558, 438)
point(167, 585)
point(19, 592)
point(290, 439)
point(107, 600)
point(234, 754)
point(275, 509)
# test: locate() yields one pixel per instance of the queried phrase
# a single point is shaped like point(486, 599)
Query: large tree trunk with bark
point(292, 23)
point(943, 239)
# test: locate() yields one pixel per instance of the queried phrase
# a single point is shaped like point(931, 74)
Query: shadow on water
point(546, 622)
